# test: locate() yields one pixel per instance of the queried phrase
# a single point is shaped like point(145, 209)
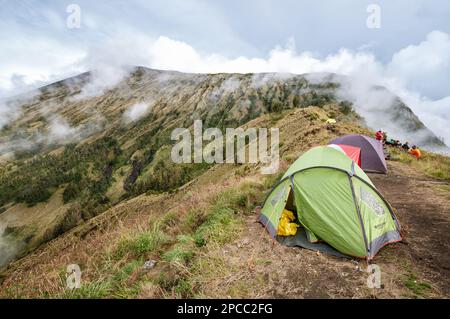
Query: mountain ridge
point(326, 86)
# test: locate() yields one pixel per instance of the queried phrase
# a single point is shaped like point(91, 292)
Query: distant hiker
point(391, 142)
point(406, 146)
point(395, 143)
point(415, 152)
point(379, 135)
point(384, 137)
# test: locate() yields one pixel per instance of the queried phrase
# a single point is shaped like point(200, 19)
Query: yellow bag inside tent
point(286, 227)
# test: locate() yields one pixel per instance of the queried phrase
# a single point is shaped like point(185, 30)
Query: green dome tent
point(335, 201)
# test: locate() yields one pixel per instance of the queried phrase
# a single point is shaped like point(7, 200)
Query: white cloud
point(10, 109)
point(57, 132)
point(137, 111)
point(175, 55)
point(31, 62)
point(419, 74)
point(416, 73)
point(60, 130)
point(229, 85)
point(424, 67)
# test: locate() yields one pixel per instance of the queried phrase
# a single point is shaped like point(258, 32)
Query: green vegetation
point(94, 290)
point(316, 98)
point(419, 288)
point(345, 107)
point(150, 241)
point(163, 175)
point(276, 106)
point(182, 252)
point(296, 101)
point(221, 224)
point(86, 168)
point(71, 192)
point(72, 217)
point(312, 116)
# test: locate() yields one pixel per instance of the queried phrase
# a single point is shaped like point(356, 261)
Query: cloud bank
point(419, 74)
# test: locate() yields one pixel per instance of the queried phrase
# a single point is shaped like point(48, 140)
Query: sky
point(408, 51)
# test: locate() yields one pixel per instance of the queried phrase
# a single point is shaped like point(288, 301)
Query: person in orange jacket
point(415, 152)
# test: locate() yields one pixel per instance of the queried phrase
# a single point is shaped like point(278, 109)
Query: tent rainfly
point(353, 152)
point(335, 202)
point(372, 155)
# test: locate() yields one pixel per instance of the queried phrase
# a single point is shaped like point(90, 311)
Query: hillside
point(89, 146)
point(85, 178)
point(206, 242)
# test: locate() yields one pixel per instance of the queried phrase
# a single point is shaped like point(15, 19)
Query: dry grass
point(434, 165)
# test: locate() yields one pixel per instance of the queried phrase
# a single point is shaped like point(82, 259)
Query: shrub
point(296, 101)
point(277, 106)
point(34, 193)
point(345, 107)
point(70, 219)
point(71, 192)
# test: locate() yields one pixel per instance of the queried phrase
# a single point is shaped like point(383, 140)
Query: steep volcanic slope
point(84, 147)
point(177, 98)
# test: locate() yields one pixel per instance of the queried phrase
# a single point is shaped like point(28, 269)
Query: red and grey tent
point(353, 152)
point(372, 155)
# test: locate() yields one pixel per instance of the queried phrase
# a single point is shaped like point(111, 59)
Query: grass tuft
point(419, 288)
point(180, 253)
point(146, 242)
point(94, 290)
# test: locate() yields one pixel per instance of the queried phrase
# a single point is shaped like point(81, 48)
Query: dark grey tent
point(372, 155)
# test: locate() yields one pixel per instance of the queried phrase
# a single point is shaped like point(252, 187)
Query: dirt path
point(424, 212)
